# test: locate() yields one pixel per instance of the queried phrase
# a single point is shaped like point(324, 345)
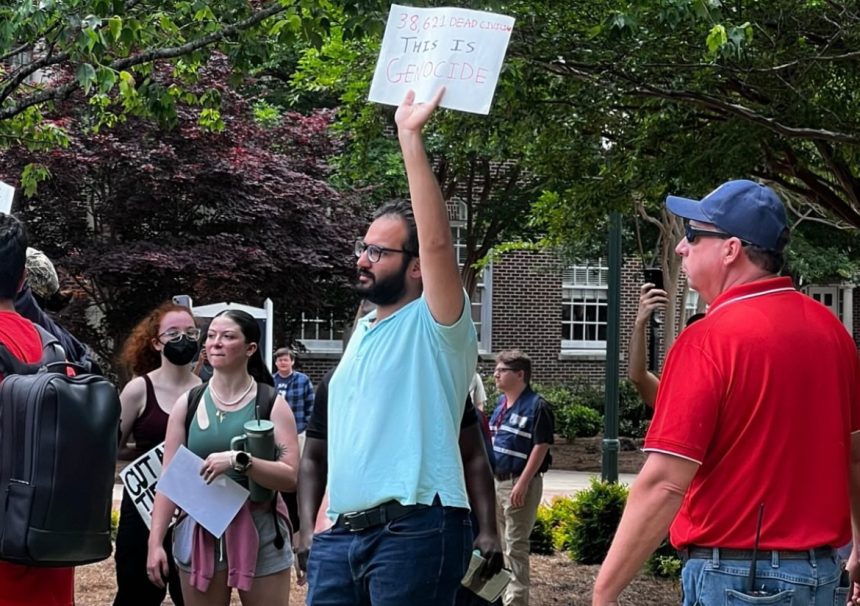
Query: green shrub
point(540, 541)
point(492, 395)
point(114, 523)
point(596, 512)
point(576, 421)
point(664, 562)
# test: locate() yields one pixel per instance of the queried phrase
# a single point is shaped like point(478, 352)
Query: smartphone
point(183, 300)
point(655, 276)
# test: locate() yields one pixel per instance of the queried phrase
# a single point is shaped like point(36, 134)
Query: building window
point(584, 307)
point(482, 297)
point(321, 334)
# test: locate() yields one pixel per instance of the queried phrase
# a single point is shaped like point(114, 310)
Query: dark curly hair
point(138, 355)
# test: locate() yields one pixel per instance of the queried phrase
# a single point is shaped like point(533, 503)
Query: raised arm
point(443, 288)
point(650, 299)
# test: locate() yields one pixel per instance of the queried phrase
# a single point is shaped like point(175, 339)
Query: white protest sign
point(214, 505)
point(140, 477)
point(426, 48)
point(7, 195)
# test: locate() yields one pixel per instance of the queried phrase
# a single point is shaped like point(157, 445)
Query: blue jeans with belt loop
point(415, 560)
point(813, 581)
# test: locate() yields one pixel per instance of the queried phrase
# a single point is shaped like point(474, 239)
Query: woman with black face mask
point(158, 353)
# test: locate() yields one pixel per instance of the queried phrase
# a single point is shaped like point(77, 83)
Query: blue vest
point(514, 438)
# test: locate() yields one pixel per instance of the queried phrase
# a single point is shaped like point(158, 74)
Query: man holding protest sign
point(395, 461)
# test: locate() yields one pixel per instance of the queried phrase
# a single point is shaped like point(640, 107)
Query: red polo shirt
point(25, 585)
point(763, 393)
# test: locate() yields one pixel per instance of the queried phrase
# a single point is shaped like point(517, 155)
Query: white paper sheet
point(7, 195)
point(425, 48)
point(214, 505)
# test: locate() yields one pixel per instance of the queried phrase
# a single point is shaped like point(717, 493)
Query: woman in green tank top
point(232, 347)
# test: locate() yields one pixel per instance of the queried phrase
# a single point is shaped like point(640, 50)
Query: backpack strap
point(52, 352)
point(194, 396)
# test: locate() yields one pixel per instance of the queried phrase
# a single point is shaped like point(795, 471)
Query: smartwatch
point(242, 461)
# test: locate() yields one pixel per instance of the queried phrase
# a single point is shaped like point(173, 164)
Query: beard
point(384, 291)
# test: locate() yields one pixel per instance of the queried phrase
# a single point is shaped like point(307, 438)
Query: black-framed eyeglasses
point(501, 369)
point(691, 233)
point(374, 252)
point(174, 334)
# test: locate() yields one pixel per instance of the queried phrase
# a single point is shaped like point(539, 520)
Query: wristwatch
point(242, 461)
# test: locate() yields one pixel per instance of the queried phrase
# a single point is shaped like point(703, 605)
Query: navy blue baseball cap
point(745, 209)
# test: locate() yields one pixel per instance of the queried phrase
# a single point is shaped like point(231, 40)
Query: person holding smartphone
point(652, 297)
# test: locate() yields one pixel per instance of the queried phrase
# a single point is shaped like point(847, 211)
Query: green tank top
point(223, 427)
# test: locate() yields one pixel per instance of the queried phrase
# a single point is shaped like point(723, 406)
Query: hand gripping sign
point(425, 48)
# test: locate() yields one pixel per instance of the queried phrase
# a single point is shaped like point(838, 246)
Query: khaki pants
point(515, 527)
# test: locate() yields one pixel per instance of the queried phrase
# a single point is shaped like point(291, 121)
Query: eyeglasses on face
point(691, 233)
point(174, 334)
point(500, 369)
point(374, 252)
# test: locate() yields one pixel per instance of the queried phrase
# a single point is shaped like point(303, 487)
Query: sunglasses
point(692, 234)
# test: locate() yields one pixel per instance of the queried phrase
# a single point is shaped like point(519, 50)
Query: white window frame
point(310, 326)
point(588, 281)
point(482, 302)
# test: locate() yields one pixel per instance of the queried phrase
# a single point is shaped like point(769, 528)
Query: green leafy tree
point(51, 48)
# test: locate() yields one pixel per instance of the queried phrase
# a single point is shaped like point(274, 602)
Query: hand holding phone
point(654, 275)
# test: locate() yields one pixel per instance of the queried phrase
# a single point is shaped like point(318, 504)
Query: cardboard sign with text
point(140, 477)
point(426, 48)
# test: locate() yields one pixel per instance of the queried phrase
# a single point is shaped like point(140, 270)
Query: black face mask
point(180, 352)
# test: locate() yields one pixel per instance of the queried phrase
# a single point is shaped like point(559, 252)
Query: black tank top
point(150, 427)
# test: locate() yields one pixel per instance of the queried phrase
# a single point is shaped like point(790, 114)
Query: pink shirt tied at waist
point(242, 544)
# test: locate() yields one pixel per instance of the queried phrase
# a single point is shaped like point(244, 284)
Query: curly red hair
point(138, 355)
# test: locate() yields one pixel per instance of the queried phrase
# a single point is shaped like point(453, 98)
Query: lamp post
point(610, 417)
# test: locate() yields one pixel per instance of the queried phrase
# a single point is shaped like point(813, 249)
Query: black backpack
point(57, 460)
point(266, 396)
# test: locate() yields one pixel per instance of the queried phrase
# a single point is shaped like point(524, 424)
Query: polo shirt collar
point(751, 289)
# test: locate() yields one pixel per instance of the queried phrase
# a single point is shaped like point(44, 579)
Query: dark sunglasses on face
point(691, 233)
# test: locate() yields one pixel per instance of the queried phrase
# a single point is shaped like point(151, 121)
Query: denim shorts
point(813, 581)
point(270, 559)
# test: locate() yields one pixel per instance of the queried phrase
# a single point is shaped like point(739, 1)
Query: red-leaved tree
point(134, 214)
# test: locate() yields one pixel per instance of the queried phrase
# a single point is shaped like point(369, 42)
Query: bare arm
point(650, 299)
point(132, 399)
point(163, 508)
point(443, 288)
point(536, 457)
point(313, 477)
point(654, 501)
point(482, 496)
point(281, 474)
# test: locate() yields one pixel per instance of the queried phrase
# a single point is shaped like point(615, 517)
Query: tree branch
point(146, 57)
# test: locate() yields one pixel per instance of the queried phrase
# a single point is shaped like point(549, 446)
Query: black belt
point(694, 552)
point(504, 477)
point(376, 516)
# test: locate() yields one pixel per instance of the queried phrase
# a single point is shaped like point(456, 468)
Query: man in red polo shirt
point(24, 585)
point(755, 425)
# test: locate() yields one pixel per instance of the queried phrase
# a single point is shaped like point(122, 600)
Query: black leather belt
point(376, 516)
point(695, 552)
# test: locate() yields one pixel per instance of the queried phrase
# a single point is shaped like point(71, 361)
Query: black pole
point(652, 342)
point(613, 318)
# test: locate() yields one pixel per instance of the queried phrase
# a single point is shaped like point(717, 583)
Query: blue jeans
point(806, 582)
point(416, 560)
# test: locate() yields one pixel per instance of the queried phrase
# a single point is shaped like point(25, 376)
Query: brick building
point(556, 314)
